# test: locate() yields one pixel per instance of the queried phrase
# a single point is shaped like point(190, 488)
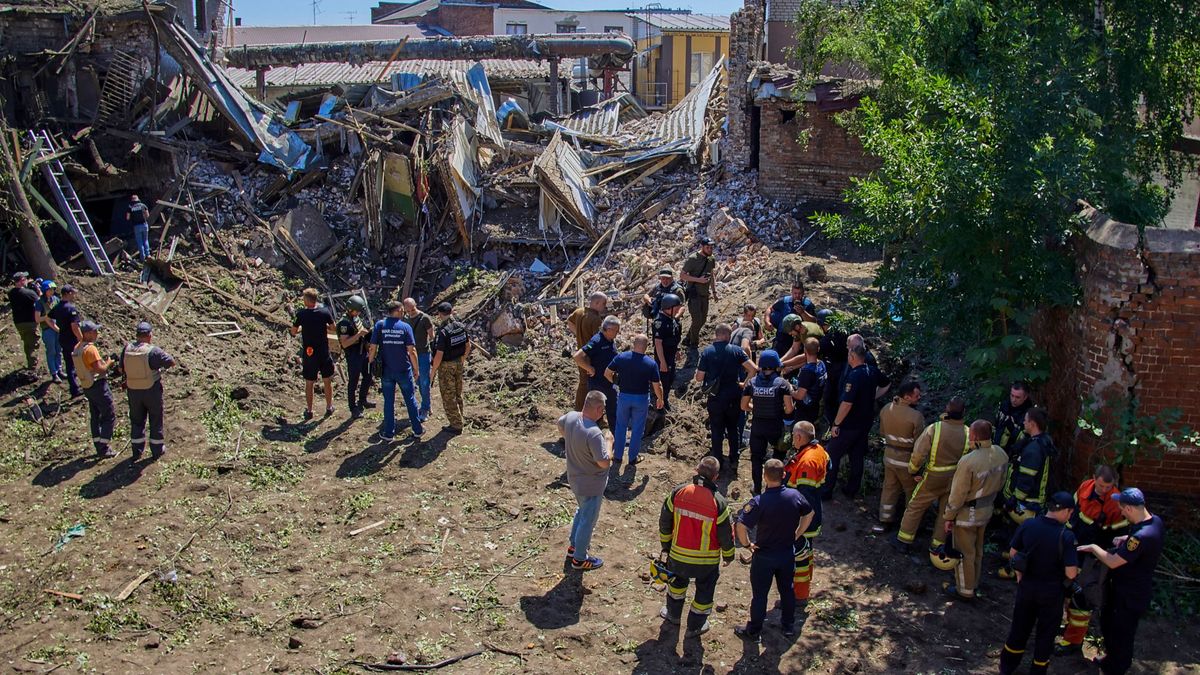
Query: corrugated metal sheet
point(604, 118)
point(559, 171)
point(686, 119)
point(329, 74)
point(684, 22)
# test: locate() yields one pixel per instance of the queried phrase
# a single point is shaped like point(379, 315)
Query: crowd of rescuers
point(779, 394)
point(803, 399)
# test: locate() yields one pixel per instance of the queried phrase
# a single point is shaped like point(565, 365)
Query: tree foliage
point(990, 119)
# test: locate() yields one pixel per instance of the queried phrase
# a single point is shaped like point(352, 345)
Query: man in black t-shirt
point(312, 323)
point(718, 372)
point(65, 318)
point(22, 298)
point(451, 349)
point(354, 336)
point(852, 424)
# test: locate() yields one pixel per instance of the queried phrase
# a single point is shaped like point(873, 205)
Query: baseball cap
point(1130, 497)
point(17, 276)
point(707, 241)
point(144, 328)
point(444, 308)
point(48, 284)
point(1060, 500)
point(67, 289)
point(666, 272)
point(86, 326)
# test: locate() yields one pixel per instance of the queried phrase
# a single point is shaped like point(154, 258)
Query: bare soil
point(244, 528)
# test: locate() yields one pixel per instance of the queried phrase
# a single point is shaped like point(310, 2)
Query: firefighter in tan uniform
point(143, 363)
point(936, 454)
point(899, 424)
point(977, 480)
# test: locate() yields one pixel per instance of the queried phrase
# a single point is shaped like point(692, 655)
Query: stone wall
point(745, 38)
point(1135, 332)
point(819, 170)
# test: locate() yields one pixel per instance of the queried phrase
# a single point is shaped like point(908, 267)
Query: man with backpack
point(718, 376)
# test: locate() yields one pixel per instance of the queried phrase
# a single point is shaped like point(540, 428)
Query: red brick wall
point(1137, 330)
point(820, 170)
point(463, 19)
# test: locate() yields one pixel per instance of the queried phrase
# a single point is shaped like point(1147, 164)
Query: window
point(516, 29)
point(200, 16)
point(614, 29)
point(564, 28)
point(701, 64)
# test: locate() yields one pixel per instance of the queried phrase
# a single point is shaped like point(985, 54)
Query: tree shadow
point(38, 393)
point(370, 461)
point(121, 475)
point(61, 472)
point(559, 607)
point(322, 442)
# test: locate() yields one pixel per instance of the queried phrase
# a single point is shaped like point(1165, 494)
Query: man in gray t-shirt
point(588, 457)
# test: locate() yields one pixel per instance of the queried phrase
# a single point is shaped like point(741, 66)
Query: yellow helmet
point(945, 557)
point(660, 573)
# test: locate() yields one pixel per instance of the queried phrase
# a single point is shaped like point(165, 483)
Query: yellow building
point(675, 52)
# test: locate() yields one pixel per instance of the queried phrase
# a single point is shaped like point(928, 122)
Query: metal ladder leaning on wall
point(68, 202)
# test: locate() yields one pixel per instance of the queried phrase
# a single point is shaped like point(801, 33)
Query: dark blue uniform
point(858, 389)
point(812, 378)
point(1127, 593)
point(670, 331)
point(721, 362)
point(777, 514)
point(359, 374)
point(1048, 548)
point(767, 392)
point(782, 307)
point(600, 352)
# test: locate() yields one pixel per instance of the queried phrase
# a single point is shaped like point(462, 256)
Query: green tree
point(990, 119)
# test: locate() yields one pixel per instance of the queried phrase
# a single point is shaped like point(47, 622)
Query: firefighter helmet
point(945, 557)
point(660, 573)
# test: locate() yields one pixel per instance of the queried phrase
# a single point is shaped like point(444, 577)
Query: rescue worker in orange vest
point(935, 456)
point(92, 370)
point(143, 364)
point(696, 532)
point(1097, 519)
point(806, 473)
point(899, 424)
point(968, 508)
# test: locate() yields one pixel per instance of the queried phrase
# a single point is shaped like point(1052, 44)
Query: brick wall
point(1136, 331)
point(463, 19)
point(820, 170)
point(745, 37)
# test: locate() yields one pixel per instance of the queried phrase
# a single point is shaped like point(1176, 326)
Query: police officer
point(780, 517)
point(354, 335)
point(652, 301)
point(699, 273)
point(810, 383)
point(806, 473)
point(899, 425)
point(453, 346)
point(934, 457)
point(92, 370)
point(1130, 580)
point(1097, 519)
point(717, 373)
point(852, 423)
point(393, 343)
point(769, 397)
point(143, 363)
point(1043, 553)
point(1010, 418)
point(696, 534)
point(835, 353)
point(65, 318)
point(594, 358)
point(968, 507)
point(667, 332)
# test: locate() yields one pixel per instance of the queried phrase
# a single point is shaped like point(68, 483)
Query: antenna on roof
point(316, 5)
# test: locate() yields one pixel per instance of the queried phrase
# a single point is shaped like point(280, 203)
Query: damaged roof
point(691, 23)
point(604, 118)
point(372, 72)
point(283, 35)
point(77, 7)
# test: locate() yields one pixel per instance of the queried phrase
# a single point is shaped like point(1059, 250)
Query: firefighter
point(806, 473)
point(143, 363)
point(934, 457)
point(899, 424)
point(1026, 486)
point(696, 533)
point(1010, 418)
point(769, 396)
point(977, 481)
point(1097, 520)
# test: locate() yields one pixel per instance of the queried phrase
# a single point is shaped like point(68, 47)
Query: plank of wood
point(364, 528)
point(132, 586)
point(236, 300)
point(62, 594)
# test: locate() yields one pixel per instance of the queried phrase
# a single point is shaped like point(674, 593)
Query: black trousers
point(763, 434)
point(146, 405)
point(1118, 624)
point(668, 381)
point(723, 414)
point(852, 444)
point(833, 390)
point(1040, 607)
point(359, 375)
point(766, 570)
point(101, 414)
point(69, 365)
point(705, 577)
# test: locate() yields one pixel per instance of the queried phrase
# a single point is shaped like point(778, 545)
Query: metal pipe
point(608, 49)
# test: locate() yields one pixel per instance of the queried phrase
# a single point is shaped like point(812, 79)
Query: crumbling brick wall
point(745, 36)
point(1135, 332)
point(819, 170)
point(462, 19)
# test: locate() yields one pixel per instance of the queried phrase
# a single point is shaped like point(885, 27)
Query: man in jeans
point(392, 341)
point(635, 374)
point(136, 215)
point(588, 459)
point(422, 326)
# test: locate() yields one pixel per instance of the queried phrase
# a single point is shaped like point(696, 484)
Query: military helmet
point(356, 302)
point(669, 300)
point(789, 322)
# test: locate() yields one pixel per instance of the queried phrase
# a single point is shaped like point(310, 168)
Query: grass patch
point(109, 619)
point(268, 476)
point(224, 417)
point(358, 504)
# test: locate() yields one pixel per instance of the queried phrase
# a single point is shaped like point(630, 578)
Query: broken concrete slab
point(308, 228)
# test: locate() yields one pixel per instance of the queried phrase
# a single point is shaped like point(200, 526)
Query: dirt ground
point(244, 532)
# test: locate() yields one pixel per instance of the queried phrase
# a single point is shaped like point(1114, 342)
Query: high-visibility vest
point(697, 511)
point(931, 464)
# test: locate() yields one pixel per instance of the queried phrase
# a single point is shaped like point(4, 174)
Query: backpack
point(1091, 578)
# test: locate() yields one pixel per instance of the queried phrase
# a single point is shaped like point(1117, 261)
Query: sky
point(300, 12)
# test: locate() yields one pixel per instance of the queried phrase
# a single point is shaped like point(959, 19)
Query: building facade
point(675, 53)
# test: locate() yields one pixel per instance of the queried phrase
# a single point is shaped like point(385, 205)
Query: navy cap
point(144, 328)
point(444, 308)
point(17, 276)
point(1130, 497)
point(86, 326)
point(68, 288)
point(1060, 500)
point(707, 241)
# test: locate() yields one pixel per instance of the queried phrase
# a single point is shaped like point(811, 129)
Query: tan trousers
point(450, 384)
point(898, 483)
point(934, 487)
point(581, 389)
point(969, 541)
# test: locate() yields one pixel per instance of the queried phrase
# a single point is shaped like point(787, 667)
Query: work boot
point(748, 635)
point(665, 614)
point(308, 415)
point(899, 546)
point(951, 592)
point(881, 528)
point(697, 632)
point(1067, 649)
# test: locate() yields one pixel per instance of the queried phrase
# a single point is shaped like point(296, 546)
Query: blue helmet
point(769, 359)
point(48, 284)
point(823, 316)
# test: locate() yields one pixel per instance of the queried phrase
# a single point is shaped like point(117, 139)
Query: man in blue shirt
point(593, 358)
point(718, 375)
point(392, 342)
point(635, 374)
point(781, 516)
point(795, 303)
point(852, 424)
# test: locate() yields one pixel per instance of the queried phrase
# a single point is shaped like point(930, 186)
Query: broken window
point(564, 28)
point(516, 29)
point(701, 64)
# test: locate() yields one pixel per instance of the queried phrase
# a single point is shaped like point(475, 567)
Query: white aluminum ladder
point(68, 202)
